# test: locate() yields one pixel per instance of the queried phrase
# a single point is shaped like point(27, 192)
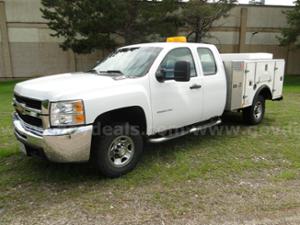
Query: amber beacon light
point(177, 39)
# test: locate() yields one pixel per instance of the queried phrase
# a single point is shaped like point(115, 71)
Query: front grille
point(31, 103)
point(34, 121)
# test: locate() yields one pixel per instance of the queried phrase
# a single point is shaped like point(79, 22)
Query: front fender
point(116, 98)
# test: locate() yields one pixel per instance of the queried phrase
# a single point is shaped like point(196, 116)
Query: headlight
point(67, 113)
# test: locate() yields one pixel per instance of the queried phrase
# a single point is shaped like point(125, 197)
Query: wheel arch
point(265, 91)
point(134, 115)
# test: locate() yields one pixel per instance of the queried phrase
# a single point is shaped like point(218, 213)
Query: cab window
point(178, 54)
point(208, 61)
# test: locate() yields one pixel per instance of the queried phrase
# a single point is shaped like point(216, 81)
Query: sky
point(273, 2)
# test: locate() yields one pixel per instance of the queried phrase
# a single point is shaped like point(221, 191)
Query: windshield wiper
point(92, 71)
point(112, 71)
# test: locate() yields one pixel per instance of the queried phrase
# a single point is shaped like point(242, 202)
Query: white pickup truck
point(139, 93)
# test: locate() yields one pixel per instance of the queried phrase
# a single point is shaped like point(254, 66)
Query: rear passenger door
point(214, 82)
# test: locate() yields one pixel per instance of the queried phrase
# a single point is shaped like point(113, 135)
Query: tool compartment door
point(278, 78)
point(249, 83)
point(265, 71)
point(237, 85)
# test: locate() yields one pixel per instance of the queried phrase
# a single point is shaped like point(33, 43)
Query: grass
point(7, 143)
point(238, 174)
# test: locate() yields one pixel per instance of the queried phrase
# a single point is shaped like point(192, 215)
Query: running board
point(183, 133)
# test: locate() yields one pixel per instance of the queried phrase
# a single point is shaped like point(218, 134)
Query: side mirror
point(160, 75)
point(182, 71)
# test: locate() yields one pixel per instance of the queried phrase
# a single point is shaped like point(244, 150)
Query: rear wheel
point(254, 114)
point(117, 152)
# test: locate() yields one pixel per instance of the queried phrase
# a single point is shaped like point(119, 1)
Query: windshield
point(129, 61)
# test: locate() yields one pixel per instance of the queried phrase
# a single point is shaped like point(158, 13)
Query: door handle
point(195, 86)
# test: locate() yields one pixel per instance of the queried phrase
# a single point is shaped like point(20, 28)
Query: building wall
point(261, 28)
point(30, 51)
point(34, 52)
point(1, 58)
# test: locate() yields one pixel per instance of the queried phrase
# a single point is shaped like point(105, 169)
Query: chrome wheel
point(254, 114)
point(258, 110)
point(121, 151)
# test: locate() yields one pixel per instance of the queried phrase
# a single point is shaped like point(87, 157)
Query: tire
point(254, 114)
point(117, 152)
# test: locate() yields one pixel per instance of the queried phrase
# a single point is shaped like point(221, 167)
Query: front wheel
point(117, 152)
point(254, 114)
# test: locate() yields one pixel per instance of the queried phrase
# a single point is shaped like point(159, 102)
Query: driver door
point(176, 104)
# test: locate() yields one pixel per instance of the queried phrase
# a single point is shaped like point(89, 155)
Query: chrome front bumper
point(58, 145)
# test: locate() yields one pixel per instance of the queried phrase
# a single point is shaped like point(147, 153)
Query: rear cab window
point(207, 61)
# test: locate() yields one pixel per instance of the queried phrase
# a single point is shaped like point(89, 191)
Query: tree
point(87, 25)
point(83, 25)
point(291, 34)
point(198, 16)
point(141, 19)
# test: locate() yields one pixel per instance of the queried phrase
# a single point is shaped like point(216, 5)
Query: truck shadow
point(232, 126)
point(76, 173)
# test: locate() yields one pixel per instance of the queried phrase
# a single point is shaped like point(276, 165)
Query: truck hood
point(58, 87)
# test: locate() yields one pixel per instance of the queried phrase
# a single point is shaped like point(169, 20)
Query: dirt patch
point(191, 202)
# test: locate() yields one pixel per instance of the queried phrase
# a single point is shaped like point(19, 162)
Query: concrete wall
point(32, 51)
point(254, 29)
point(1, 58)
point(28, 50)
